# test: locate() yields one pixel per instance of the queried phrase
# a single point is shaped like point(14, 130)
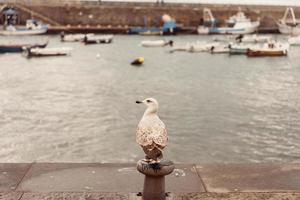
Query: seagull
point(151, 132)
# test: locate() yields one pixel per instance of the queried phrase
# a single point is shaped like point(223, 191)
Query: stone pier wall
point(135, 14)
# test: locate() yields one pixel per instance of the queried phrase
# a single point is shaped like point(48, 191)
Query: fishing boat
point(169, 28)
point(33, 27)
point(294, 41)
point(74, 37)
point(18, 48)
point(156, 43)
point(236, 24)
point(38, 52)
point(254, 38)
point(97, 39)
point(288, 24)
point(270, 48)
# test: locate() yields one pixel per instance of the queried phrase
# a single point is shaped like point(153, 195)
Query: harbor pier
point(117, 17)
point(91, 181)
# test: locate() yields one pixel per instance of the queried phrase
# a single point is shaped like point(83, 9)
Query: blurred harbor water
point(81, 108)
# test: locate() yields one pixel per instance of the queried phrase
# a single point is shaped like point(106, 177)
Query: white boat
point(254, 38)
point(33, 27)
point(270, 48)
point(195, 47)
point(241, 48)
point(98, 39)
point(202, 47)
point(222, 48)
point(236, 24)
point(156, 43)
point(294, 41)
point(289, 26)
point(38, 52)
point(74, 37)
point(182, 47)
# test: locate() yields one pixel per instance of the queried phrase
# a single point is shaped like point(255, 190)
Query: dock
point(117, 17)
point(94, 181)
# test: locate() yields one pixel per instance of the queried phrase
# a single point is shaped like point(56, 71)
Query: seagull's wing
point(160, 137)
point(144, 136)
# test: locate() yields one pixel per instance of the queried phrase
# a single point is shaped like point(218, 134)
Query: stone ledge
point(124, 178)
point(123, 196)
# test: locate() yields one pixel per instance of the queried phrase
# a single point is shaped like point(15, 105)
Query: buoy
point(139, 61)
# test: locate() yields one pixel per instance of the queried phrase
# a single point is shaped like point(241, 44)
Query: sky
point(261, 2)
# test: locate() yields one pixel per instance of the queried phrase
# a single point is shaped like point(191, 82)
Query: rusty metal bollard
point(154, 181)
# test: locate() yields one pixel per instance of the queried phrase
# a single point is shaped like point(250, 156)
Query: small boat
point(289, 26)
point(254, 38)
point(74, 37)
point(269, 49)
point(33, 27)
point(202, 47)
point(238, 49)
point(294, 41)
point(38, 52)
point(222, 48)
point(18, 48)
point(196, 47)
point(236, 24)
point(156, 43)
point(98, 39)
point(185, 47)
point(138, 62)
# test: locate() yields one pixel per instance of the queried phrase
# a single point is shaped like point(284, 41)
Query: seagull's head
point(151, 103)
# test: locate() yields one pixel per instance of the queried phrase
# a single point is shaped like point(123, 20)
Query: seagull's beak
point(138, 102)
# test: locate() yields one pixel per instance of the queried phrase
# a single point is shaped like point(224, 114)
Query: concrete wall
point(134, 14)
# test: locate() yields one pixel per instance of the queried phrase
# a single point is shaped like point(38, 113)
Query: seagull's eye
point(148, 101)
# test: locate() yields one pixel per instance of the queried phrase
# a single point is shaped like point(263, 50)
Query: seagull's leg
point(147, 159)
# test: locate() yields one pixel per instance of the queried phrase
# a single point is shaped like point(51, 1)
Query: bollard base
point(154, 181)
point(138, 196)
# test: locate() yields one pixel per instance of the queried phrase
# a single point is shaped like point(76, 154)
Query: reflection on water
point(81, 108)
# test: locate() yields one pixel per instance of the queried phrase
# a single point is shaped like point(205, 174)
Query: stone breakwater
point(123, 15)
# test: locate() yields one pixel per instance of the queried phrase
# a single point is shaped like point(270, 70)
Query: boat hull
point(46, 52)
point(11, 49)
point(238, 51)
point(263, 53)
point(23, 32)
point(294, 41)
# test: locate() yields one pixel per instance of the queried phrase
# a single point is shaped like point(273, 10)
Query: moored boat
point(33, 27)
point(18, 48)
point(202, 47)
point(74, 37)
point(294, 41)
point(289, 26)
point(156, 43)
point(98, 39)
point(236, 24)
point(222, 48)
point(169, 28)
point(38, 52)
point(238, 49)
point(269, 49)
point(254, 38)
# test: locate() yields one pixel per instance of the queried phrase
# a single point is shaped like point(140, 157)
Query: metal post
point(154, 181)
